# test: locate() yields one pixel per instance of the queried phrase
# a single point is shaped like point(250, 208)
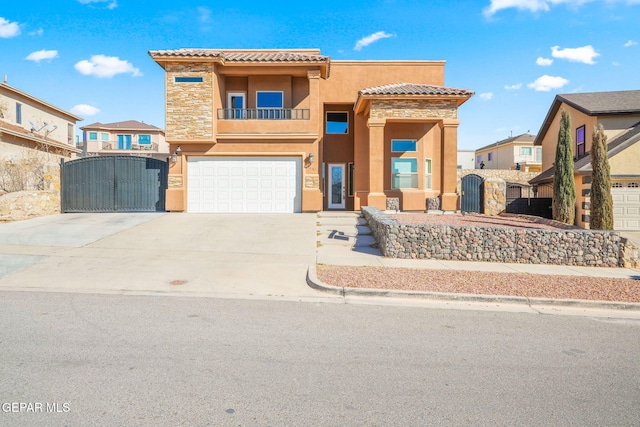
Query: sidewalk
point(344, 239)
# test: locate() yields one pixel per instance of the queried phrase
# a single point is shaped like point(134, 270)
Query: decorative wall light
point(174, 156)
point(311, 157)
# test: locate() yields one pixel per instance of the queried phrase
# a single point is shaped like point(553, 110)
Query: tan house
point(619, 114)
point(30, 125)
point(516, 152)
point(294, 131)
point(129, 137)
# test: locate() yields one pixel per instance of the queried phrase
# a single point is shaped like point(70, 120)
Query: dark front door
point(472, 192)
point(114, 184)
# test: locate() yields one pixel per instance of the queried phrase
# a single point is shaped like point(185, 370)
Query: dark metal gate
point(472, 194)
point(113, 184)
point(522, 199)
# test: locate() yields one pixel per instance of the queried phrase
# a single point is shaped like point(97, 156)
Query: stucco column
point(376, 195)
point(449, 198)
point(314, 100)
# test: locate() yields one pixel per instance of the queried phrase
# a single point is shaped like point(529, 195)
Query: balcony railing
point(117, 146)
point(263, 114)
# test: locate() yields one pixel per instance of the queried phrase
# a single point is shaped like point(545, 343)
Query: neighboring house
point(511, 153)
point(295, 131)
point(30, 125)
point(619, 114)
point(466, 159)
point(130, 137)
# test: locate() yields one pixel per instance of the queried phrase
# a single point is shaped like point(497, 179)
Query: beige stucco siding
point(626, 162)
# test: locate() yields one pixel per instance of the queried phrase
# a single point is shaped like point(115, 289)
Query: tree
point(564, 186)
point(601, 201)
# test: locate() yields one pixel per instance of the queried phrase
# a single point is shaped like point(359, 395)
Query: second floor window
point(269, 105)
point(144, 139)
point(525, 151)
point(580, 143)
point(490, 157)
point(337, 122)
point(93, 136)
point(18, 113)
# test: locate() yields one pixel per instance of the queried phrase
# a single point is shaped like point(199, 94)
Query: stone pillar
point(376, 197)
point(449, 170)
point(495, 196)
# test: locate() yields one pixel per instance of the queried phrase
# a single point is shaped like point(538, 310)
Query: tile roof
point(414, 89)
point(128, 125)
point(243, 56)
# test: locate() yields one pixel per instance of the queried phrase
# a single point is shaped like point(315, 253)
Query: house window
point(525, 151)
point(188, 80)
point(404, 173)
point(617, 185)
point(402, 145)
point(18, 113)
point(337, 122)
point(479, 159)
point(427, 174)
point(104, 136)
point(269, 105)
point(350, 186)
point(580, 145)
point(144, 139)
point(490, 157)
point(70, 130)
point(538, 154)
point(633, 185)
point(93, 136)
point(236, 106)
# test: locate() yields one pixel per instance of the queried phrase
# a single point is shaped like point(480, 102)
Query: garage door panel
point(626, 207)
point(245, 184)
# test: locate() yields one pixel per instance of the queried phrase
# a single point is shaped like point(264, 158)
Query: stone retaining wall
point(506, 174)
point(492, 244)
point(28, 204)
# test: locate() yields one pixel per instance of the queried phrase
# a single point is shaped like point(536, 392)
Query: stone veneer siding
point(22, 205)
point(422, 109)
point(189, 109)
point(506, 174)
point(492, 244)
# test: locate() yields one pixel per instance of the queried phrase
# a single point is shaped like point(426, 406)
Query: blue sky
point(90, 56)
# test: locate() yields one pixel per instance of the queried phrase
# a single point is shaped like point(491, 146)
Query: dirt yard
point(475, 220)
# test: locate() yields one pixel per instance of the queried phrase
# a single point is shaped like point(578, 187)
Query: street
point(165, 360)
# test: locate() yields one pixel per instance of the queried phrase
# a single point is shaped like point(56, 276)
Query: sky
point(90, 57)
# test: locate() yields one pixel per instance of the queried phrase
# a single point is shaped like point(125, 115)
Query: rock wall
point(22, 205)
point(495, 196)
point(506, 174)
point(492, 244)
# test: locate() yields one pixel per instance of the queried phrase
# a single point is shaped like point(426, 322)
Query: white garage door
point(244, 184)
point(626, 205)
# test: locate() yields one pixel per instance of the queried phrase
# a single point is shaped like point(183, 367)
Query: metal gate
point(472, 194)
point(113, 184)
point(522, 199)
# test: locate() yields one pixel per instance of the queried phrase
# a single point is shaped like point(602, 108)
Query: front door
point(336, 186)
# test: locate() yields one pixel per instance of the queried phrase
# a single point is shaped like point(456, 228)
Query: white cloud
point(630, 43)
point(37, 32)
point(513, 87)
point(106, 66)
point(546, 83)
point(112, 3)
point(544, 62)
point(8, 29)
point(366, 41)
point(584, 54)
point(616, 64)
point(486, 96)
point(532, 6)
point(85, 110)
point(42, 55)
point(204, 14)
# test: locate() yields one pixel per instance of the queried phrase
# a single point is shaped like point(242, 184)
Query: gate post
point(495, 196)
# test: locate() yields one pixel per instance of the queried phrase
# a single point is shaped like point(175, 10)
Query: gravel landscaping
point(479, 220)
point(487, 283)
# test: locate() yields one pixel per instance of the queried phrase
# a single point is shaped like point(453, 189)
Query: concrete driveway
point(235, 255)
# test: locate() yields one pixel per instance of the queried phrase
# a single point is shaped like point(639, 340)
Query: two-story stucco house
point(295, 131)
point(129, 137)
point(516, 152)
point(619, 114)
point(31, 125)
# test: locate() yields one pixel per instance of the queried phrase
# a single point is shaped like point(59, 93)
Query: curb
point(315, 283)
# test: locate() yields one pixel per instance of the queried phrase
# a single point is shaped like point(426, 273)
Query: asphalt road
point(143, 360)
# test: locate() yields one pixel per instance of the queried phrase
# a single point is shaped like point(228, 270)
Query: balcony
point(123, 146)
point(263, 114)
